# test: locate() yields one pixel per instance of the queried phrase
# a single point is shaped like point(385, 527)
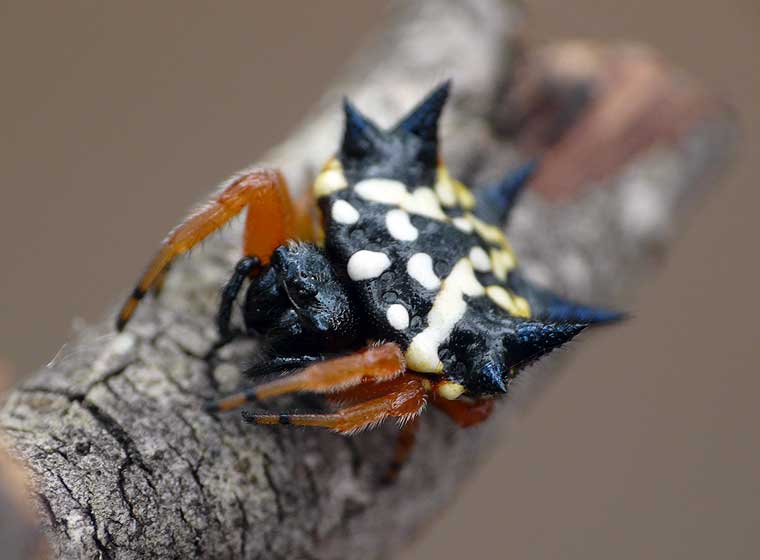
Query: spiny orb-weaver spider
point(403, 254)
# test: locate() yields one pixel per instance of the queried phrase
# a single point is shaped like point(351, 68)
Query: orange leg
point(158, 283)
point(404, 445)
point(465, 414)
point(270, 222)
point(405, 399)
point(373, 364)
point(366, 390)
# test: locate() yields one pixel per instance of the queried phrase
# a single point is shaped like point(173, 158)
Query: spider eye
point(306, 292)
point(301, 294)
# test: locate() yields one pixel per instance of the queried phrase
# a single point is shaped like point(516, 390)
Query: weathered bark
point(126, 464)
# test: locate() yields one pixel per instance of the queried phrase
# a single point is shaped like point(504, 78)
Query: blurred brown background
point(117, 117)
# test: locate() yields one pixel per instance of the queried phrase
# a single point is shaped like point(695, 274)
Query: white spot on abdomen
point(424, 202)
point(444, 188)
point(448, 308)
point(398, 317)
point(385, 191)
point(450, 390)
point(480, 259)
point(344, 213)
point(420, 267)
point(513, 304)
point(462, 224)
point(364, 265)
point(399, 226)
point(503, 261)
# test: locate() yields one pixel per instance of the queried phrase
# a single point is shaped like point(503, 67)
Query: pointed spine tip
point(593, 316)
point(513, 183)
point(360, 135)
point(423, 120)
point(492, 375)
point(533, 339)
point(441, 91)
point(548, 335)
point(354, 118)
point(496, 201)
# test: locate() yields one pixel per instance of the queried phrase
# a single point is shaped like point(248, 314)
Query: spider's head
point(315, 310)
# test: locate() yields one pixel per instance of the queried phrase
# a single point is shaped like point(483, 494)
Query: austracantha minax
point(404, 290)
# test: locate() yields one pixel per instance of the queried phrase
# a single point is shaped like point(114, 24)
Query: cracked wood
point(125, 463)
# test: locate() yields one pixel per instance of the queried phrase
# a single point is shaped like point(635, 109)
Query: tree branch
point(126, 464)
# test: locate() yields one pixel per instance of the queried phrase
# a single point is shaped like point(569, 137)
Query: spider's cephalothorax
point(298, 305)
point(404, 254)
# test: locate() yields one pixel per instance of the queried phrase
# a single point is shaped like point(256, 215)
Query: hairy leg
point(376, 363)
point(405, 399)
point(270, 222)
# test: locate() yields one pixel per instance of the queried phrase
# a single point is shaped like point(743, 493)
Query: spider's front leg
point(270, 222)
point(369, 367)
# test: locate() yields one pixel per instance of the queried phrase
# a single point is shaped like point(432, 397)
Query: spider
point(402, 291)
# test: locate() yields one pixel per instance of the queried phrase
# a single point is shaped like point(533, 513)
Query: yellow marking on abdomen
point(331, 179)
point(450, 390)
point(448, 308)
point(513, 304)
